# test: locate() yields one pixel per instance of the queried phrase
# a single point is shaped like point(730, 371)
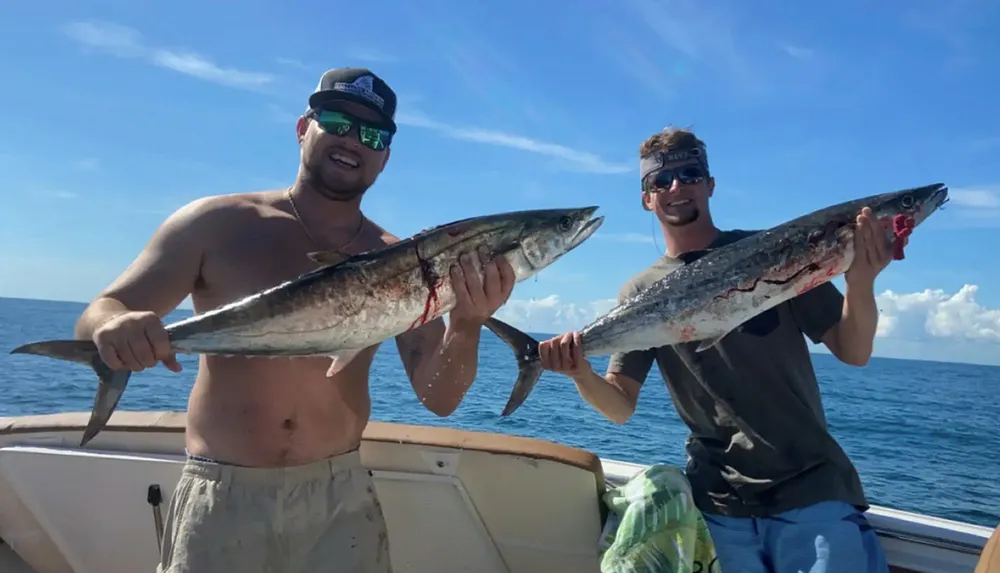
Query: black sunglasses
point(664, 178)
point(340, 123)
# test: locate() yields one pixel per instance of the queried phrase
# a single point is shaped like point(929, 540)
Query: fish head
point(545, 235)
point(918, 203)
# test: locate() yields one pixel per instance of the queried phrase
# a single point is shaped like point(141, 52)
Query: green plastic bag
point(653, 526)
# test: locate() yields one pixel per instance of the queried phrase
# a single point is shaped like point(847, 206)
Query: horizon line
point(812, 348)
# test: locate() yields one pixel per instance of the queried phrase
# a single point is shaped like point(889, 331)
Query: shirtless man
point(273, 481)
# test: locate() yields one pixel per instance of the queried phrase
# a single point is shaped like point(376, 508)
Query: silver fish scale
point(716, 293)
point(315, 316)
point(380, 294)
point(710, 297)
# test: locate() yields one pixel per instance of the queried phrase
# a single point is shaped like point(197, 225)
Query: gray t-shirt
point(759, 443)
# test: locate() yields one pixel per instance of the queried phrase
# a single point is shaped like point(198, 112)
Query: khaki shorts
point(323, 516)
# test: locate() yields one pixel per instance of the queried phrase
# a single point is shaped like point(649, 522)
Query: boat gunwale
point(888, 522)
point(905, 526)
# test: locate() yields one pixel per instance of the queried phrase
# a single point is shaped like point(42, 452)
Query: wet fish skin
point(339, 310)
point(707, 299)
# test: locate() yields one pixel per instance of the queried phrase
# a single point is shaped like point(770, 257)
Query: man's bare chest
point(251, 261)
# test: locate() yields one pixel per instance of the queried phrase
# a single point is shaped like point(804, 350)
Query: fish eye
point(907, 201)
point(565, 224)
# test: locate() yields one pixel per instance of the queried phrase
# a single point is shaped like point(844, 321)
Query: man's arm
point(852, 339)
point(617, 392)
point(441, 362)
point(844, 324)
point(161, 276)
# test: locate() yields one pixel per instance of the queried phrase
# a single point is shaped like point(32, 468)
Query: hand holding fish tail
point(478, 299)
point(135, 341)
point(564, 354)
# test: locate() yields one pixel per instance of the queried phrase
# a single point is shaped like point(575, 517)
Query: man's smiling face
point(678, 192)
point(339, 167)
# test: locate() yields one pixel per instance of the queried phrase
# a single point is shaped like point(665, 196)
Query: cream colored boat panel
point(453, 500)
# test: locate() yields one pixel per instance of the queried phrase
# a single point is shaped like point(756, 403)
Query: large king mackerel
point(339, 310)
point(712, 296)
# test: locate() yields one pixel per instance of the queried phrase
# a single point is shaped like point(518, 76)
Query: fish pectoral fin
point(340, 361)
point(710, 342)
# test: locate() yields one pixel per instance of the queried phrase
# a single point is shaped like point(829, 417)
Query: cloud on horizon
point(931, 314)
point(550, 313)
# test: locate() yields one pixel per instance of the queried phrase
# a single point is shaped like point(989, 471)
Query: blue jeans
point(828, 537)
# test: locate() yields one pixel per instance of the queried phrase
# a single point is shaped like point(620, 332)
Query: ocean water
point(925, 436)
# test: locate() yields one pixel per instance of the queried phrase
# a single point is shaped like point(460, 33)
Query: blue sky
point(115, 113)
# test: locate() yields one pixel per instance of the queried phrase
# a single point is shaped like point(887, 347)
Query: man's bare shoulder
point(232, 203)
point(381, 236)
point(215, 212)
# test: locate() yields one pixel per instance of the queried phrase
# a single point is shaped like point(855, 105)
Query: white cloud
point(88, 164)
point(937, 314)
point(797, 52)
point(551, 314)
point(581, 160)
point(702, 32)
point(987, 197)
point(197, 66)
point(124, 42)
point(292, 63)
point(359, 55)
point(371, 56)
point(975, 206)
point(111, 38)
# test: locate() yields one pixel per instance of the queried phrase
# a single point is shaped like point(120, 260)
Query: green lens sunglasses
point(340, 123)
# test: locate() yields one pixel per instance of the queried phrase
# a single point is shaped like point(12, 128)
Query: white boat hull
point(481, 502)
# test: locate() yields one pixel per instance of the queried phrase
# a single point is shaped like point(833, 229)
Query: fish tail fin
point(111, 384)
point(529, 366)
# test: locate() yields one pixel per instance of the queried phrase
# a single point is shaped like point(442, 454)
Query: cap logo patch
point(363, 88)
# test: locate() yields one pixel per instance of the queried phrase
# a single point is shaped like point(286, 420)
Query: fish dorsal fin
point(327, 258)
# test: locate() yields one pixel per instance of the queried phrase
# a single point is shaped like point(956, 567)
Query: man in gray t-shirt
point(779, 494)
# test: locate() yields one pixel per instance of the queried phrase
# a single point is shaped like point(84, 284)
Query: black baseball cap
point(358, 85)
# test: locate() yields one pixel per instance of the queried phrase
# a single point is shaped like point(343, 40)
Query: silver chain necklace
point(327, 256)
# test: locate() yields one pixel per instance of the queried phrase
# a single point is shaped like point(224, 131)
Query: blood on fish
point(431, 281)
point(752, 284)
point(902, 226)
point(829, 273)
point(687, 333)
